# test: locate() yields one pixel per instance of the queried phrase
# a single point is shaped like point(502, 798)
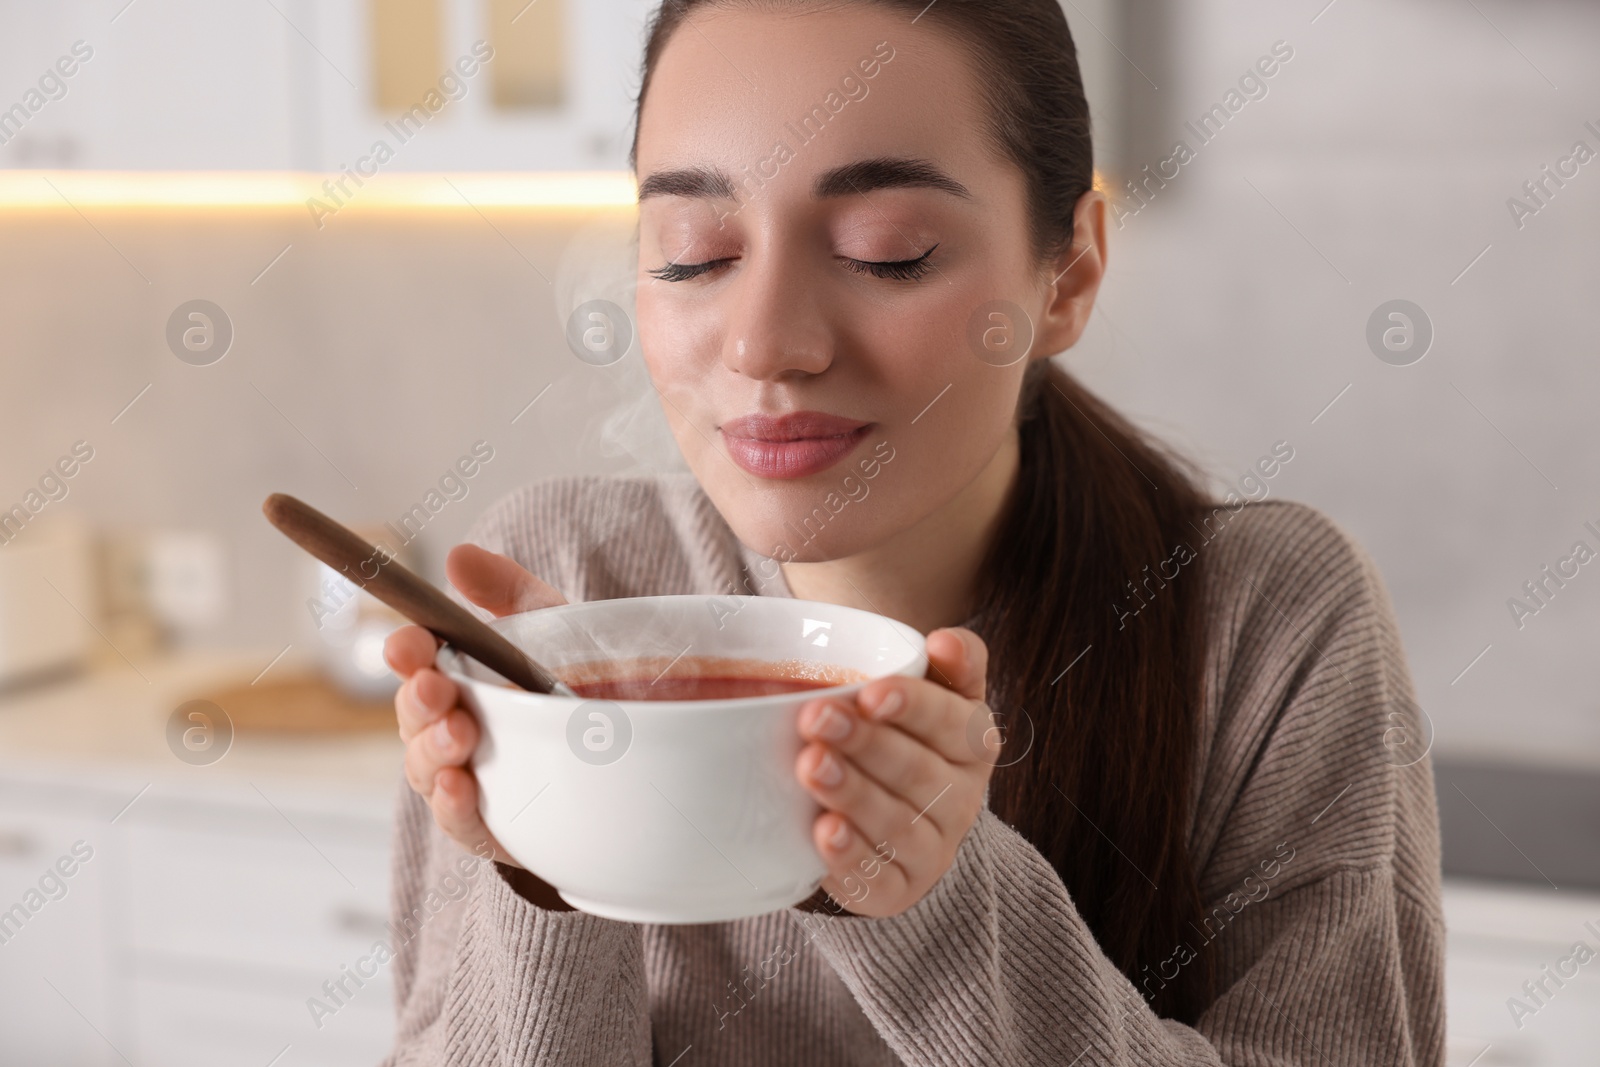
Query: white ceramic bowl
point(666, 811)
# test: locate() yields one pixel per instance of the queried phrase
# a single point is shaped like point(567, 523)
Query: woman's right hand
point(439, 734)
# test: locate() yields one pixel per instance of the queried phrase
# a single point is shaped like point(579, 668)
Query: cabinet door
point(56, 1006)
point(270, 900)
point(177, 85)
point(1502, 939)
point(184, 1024)
point(238, 915)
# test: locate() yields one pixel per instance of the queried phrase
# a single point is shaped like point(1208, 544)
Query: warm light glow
point(177, 190)
point(164, 190)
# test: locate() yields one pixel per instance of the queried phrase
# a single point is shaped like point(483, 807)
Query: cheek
point(678, 342)
point(952, 440)
point(952, 409)
point(680, 354)
point(926, 358)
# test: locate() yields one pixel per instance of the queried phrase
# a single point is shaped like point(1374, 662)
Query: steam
point(600, 263)
point(656, 640)
point(625, 423)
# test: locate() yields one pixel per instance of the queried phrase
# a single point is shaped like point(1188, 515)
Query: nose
point(776, 330)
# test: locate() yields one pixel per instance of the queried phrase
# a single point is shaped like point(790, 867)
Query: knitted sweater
point(1318, 850)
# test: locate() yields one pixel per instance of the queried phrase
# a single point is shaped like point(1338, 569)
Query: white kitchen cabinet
point(289, 85)
point(54, 992)
point(178, 85)
point(187, 1023)
point(197, 931)
point(1500, 937)
point(220, 897)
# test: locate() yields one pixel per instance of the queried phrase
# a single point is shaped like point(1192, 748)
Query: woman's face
point(778, 303)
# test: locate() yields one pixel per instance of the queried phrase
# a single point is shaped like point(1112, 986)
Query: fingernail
point(441, 733)
point(832, 724)
point(840, 838)
point(888, 705)
point(419, 694)
point(828, 771)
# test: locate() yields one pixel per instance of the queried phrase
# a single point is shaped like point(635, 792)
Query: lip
point(795, 445)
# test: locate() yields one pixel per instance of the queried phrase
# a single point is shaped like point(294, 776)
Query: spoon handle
point(377, 572)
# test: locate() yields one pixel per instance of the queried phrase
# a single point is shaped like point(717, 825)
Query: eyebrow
point(861, 176)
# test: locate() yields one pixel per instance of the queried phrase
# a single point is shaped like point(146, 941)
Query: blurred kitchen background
point(194, 719)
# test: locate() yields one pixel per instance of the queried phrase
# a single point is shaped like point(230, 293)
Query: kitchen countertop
point(107, 729)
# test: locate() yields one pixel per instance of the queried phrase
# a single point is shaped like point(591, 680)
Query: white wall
point(1381, 161)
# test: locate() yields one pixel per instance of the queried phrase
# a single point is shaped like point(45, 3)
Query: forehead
point(829, 86)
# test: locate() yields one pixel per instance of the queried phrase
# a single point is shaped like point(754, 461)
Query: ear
point(1069, 299)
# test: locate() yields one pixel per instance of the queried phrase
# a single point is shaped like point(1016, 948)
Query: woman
point(1198, 844)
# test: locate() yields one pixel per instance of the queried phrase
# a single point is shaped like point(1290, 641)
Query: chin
point(799, 540)
point(791, 523)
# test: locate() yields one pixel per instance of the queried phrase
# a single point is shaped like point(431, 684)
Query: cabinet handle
point(352, 920)
point(17, 844)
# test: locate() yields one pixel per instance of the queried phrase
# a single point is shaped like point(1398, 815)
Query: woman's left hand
point(901, 771)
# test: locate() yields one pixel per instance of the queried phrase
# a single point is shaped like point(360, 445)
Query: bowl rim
point(455, 672)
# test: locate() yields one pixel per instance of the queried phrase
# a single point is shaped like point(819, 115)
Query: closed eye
point(682, 272)
point(901, 269)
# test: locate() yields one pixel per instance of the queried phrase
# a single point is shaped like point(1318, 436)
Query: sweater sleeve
point(483, 976)
point(1325, 926)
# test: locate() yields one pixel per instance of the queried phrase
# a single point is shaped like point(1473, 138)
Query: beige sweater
point(1318, 849)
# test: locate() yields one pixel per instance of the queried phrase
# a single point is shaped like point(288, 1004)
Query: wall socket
point(178, 578)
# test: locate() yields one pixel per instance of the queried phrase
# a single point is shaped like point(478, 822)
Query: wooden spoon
point(417, 599)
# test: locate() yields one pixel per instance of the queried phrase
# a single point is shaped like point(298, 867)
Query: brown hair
point(1095, 669)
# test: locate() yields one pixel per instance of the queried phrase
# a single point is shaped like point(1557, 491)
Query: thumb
point(497, 583)
point(958, 660)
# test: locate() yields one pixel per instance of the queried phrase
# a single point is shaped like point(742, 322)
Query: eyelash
point(899, 270)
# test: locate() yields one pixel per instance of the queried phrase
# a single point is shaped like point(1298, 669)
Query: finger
point(948, 723)
point(421, 767)
point(880, 814)
point(958, 660)
point(497, 583)
point(422, 700)
point(850, 857)
point(447, 743)
point(891, 758)
point(455, 809)
point(408, 649)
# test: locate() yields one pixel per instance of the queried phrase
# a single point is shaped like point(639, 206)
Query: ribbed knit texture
point(1319, 854)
